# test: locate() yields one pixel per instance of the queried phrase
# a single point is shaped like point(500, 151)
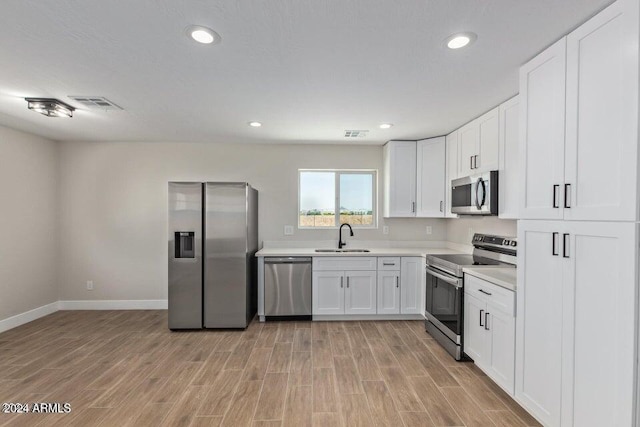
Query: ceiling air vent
point(96, 103)
point(355, 133)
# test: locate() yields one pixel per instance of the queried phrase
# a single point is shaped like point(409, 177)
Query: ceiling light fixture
point(203, 35)
point(459, 40)
point(50, 107)
point(386, 125)
point(255, 124)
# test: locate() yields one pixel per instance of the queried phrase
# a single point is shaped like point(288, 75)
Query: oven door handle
point(449, 280)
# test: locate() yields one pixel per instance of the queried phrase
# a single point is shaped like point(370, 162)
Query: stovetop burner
point(464, 260)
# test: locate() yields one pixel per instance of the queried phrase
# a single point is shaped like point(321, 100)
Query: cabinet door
point(600, 279)
point(541, 151)
point(388, 292)
point(328, 292)
point(509, 174)
point(400, 179)
point(539, 317)
point(602, 116)
point(475, 335)
point(468, 136)
point(360, 293)
point(451, 172)
point(488, 142)
point(412, 285)
point(502, 348)
point(430, 177)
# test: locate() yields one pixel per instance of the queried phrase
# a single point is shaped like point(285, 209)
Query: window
point(328, 198)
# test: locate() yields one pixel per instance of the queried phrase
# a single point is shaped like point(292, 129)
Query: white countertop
point(311, 252)
point(501, 276)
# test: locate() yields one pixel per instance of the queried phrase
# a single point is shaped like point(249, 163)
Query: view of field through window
point(323, 194)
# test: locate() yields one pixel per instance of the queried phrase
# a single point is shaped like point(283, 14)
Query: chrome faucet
point(340, 242)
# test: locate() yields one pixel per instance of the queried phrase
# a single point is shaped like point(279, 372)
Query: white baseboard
point(153, 304)
point(28, 316)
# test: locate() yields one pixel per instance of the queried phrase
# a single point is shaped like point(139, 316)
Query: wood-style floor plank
point(126, 368)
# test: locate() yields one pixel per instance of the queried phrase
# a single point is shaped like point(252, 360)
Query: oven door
point(444, 303)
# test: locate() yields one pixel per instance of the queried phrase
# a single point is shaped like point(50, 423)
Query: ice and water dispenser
point(185, 244)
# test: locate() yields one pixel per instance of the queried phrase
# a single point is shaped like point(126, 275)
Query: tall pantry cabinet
point(577, 301)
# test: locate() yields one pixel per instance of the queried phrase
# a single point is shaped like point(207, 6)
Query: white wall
point(28, 222)
point(114, 205)
point(458, 228)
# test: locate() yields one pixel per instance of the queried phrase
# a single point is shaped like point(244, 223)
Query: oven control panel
point(496, 241)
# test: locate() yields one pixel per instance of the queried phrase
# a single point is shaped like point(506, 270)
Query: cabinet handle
point(565, 246)
point(554, 250)
point(342, 282)
point(481, 311)
point(475, 161)
point(413, 207)
point(486, 321)
point(397, 285)
point(555, 196)
point(388, 263)
point(471, 162)
point(441, 203)
point(567, 197)
point(484, 292)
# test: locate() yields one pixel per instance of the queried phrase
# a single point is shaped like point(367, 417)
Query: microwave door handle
point(479, 183)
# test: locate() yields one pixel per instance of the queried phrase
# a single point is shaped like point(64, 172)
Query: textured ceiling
point(307, 69)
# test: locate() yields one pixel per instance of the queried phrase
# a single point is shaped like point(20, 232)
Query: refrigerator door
point(185, 255)
point(226, 290)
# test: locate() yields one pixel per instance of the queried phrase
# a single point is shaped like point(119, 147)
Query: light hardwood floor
point(125, 368)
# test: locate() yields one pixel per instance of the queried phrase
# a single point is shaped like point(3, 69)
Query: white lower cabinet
point(388, 292)
point(412, 285)
point(577, 331)
point(344, 292)
point(489, 330)
point(353, 286)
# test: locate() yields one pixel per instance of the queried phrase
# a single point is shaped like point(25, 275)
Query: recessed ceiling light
point(203, 35)
point(386, 125)
point(255, 124)
point(456, 41)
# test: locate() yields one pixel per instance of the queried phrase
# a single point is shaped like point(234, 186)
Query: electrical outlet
point(89, 285)
point(429, 229)
point(385, 229)
point(288, 230)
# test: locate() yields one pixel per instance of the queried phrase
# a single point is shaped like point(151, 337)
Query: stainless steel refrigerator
point(213, 238)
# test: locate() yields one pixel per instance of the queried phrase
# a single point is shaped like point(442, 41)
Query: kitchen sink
point(342, 250)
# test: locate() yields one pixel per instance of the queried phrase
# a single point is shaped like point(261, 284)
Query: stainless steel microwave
point(475, 194)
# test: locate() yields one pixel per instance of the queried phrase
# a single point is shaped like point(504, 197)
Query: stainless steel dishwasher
point(287, 288)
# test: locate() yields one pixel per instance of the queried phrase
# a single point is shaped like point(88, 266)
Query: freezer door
point(226, 256)
point(185, 255)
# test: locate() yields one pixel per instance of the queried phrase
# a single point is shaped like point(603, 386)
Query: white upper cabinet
point(478, 144)
point(430, 185)
point(583, 166)
point(487, 152)
point(602, 116)
point(451, 172)
point(400, 179)
point(414, 178)
point(541, 151)
point(468, 137)
point(509, 169)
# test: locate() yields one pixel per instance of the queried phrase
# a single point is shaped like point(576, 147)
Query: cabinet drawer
point(497, 296)
point(389, 263)
point(344, 263)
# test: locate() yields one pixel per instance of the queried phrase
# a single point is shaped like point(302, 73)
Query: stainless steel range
point(445, 286)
